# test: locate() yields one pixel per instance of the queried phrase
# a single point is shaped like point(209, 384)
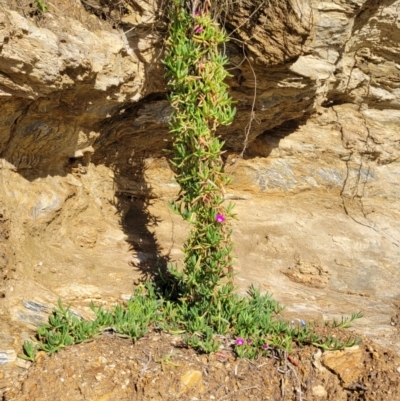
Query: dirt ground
point(160, 367)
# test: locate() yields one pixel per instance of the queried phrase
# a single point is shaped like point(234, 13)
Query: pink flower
point(197, 12)
point(219, 218)
point(265, 346)
point(198, 29)
point(239, 341)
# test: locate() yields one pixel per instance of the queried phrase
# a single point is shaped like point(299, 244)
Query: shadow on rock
point(133, 202)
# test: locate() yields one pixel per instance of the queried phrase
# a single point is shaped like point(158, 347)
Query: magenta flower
point(198, 29)
point(219, 218)
point(239, 341)
point(249, 341)
point(265, 346)
point(197, 12)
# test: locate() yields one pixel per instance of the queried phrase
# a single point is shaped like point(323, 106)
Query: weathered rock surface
point(347, 364)
point(84, 181)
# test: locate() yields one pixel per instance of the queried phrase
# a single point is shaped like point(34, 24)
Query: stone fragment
point(36, 306)
point(192, 380)
point(40, 357)
point(84, 233)
point(313, 67)
point(22, 363)
point(310, 273)
point(7, 356)
point(346, 364)
point(31, 313)
point(319, 391)
point(317, 362)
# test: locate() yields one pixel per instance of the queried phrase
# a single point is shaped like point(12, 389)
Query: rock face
point(84, 181)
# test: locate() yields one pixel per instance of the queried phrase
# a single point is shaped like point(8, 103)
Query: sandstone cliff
point(84, 180)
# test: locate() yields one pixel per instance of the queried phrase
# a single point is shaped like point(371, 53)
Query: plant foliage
point(251, 324)
point(199, 96)
point(41, 5)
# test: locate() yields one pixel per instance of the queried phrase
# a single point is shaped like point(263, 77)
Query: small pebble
point(319, 391)
point(22, 363)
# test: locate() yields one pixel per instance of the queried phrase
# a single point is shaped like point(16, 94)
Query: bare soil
point(160, 367)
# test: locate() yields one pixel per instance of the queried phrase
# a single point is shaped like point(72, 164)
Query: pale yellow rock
point(319, 391)
point(317, 362)
point(346, 364)
point(311, 273)
point(192, 381)
point(22, 363)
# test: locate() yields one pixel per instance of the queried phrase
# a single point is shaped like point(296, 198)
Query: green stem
point(199, 96)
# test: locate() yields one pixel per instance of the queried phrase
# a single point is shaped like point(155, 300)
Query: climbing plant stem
point(199, 96)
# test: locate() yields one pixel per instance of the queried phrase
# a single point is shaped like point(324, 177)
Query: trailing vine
point(199, 96)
